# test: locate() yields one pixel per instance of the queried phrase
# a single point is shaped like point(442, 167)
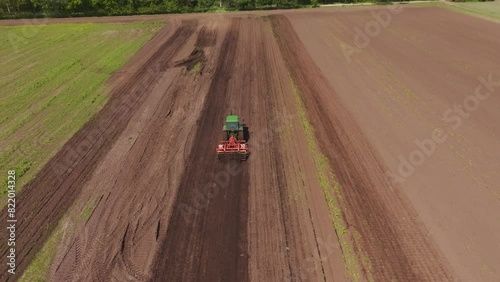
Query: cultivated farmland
point(489, 9)
point(374, 156)
point(52, 83)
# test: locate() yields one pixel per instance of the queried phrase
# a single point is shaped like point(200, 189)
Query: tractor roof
point(232, 118)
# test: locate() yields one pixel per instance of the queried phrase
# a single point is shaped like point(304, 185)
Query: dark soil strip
point(203, 240)
point(44, 200)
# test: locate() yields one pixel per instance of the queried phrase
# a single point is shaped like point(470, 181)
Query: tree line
point(78, 8)
point(75, 8)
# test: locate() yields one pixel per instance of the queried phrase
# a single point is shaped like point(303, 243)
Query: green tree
point(205, 5)
point(245, 4)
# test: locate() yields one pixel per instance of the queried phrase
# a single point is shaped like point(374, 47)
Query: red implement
point(232, 149)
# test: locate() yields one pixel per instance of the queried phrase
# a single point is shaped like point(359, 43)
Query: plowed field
point(141, 196)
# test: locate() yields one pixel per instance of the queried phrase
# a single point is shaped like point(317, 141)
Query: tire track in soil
point(391, 234)
point(121, 260)
point(202, 241)
point(45, 199)
point(126, 259)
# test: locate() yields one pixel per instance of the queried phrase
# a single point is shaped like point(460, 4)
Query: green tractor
point(234, 146)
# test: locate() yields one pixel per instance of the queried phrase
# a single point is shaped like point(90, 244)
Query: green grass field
point(52, 82)
point(487, 9)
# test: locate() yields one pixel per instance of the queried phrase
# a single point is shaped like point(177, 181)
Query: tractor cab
point(232, 127)
point(234, 145)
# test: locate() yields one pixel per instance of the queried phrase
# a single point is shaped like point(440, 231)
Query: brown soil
point(44, 200)
point(373, 208)
point(268, 221)
point(162, 207)
point(398, 89)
